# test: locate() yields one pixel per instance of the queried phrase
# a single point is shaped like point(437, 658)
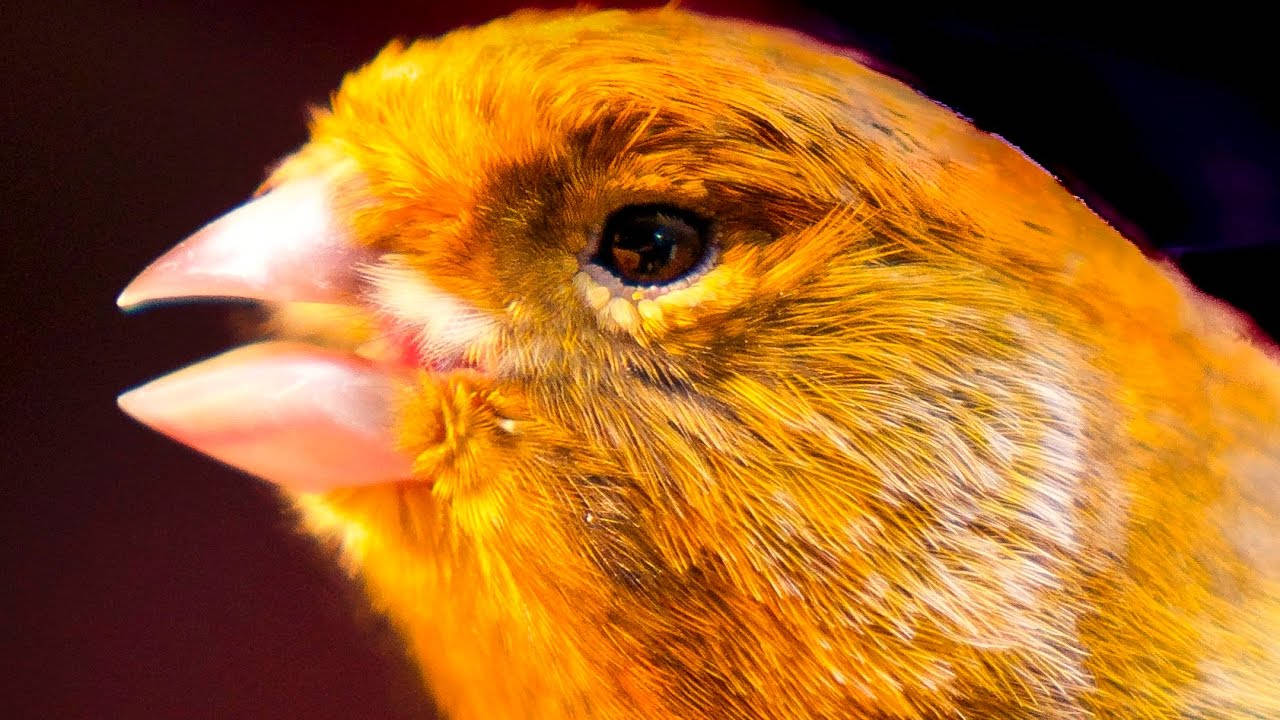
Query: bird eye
point(652, 244)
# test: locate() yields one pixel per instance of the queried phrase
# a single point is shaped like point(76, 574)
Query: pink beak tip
point(301, 416)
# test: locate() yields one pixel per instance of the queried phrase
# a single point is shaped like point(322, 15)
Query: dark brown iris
point(652, 244)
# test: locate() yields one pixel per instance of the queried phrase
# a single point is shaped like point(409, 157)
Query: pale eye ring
point(653, 245)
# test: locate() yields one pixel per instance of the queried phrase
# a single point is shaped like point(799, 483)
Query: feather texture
point(928, 439)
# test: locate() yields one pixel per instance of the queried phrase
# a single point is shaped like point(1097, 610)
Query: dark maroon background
point(140, 580)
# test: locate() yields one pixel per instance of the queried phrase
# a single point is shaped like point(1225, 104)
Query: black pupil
point(651, 244)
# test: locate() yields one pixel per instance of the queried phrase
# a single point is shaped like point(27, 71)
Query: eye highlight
point(651, 245)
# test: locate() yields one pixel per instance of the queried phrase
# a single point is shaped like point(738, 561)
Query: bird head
point(667, 362)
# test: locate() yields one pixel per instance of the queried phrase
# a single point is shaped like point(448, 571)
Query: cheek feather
point(447, 331)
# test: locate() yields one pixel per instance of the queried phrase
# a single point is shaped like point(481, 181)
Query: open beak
point(307, 418)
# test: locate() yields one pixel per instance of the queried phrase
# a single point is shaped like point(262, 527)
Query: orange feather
point(929, 439)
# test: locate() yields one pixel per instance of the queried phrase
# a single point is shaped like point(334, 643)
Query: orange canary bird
point(651, 365)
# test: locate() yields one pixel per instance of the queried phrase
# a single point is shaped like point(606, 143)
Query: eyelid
point(665, 212)
point(618, 288)
point(615, 285)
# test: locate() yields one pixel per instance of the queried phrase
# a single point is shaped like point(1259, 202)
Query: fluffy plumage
point(928, 440)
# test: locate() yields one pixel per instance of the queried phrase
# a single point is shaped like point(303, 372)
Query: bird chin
point(307, 417)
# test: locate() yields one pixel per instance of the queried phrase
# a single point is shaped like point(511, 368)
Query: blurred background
point(140, 580)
